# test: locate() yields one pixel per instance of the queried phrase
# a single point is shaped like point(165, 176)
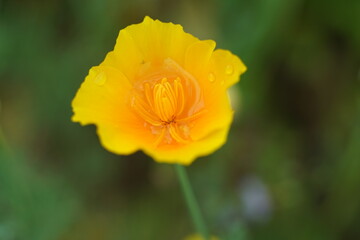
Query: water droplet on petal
point(100, 79)
point(229, 69)
point(211, 77)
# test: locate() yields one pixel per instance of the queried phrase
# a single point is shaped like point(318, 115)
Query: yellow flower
point(198, 237)
point(162, 91)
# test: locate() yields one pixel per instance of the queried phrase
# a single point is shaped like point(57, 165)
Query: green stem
point(191, 202)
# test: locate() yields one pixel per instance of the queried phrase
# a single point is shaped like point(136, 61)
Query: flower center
point(167, 100)
point(168, 105)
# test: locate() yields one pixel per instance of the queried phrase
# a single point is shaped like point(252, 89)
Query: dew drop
point(100, 79)
point(229, 69)
point(211, 77)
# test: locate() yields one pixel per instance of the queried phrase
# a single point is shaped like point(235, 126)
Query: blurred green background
point(290, 168)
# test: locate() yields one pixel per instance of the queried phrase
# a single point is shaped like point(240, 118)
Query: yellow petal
point(218, 115)
point(103, 100)
point(187, 153)
point(197, 58)
point(226, 67)
point(126, 56)
point(158, 41)
point(100, 96)
point(126, 137)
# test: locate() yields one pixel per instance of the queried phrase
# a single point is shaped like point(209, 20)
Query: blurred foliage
point(291, 167)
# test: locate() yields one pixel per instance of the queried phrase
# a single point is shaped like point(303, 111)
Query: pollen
point(163, 107)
